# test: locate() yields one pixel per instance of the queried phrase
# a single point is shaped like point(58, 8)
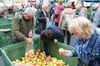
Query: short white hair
point(78, 6)
point(30, 11)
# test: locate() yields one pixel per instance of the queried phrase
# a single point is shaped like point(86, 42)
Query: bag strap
point(91, 44)
point(94, 44)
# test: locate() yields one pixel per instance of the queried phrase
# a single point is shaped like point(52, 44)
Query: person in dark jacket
point(52, 9)
point(52, 33)
point(43, 17)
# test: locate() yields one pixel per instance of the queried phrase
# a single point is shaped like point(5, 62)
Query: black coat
point(41, 17)
point(57, 33)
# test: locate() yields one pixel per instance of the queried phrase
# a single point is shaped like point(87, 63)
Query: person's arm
point(68, 53)
point(76, 42)
point(55, 13)
point(32, 29)
point(74, 15)
point(74, 53)
point(96, 19)
point(61, 19)
point(16, 29)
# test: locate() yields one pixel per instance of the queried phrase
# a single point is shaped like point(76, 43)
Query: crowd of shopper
point(67, 20)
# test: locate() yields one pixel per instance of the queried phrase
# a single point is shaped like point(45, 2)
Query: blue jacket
point(57, 33)
point(83, 47)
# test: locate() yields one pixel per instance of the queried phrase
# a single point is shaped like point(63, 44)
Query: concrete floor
point(1, 61)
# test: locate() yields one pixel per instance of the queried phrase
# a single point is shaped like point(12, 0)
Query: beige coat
point(62, 18)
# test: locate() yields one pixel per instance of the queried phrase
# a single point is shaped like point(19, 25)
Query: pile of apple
point(38, 59)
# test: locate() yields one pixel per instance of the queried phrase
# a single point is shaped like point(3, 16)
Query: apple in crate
point(61, 50)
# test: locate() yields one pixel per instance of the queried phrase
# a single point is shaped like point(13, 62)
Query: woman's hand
point(55, 40)
point(29, 41)
point(65, 52)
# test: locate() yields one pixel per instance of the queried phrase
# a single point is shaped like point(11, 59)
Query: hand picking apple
point(65, 52)
point(29, 41)
point(61, 51)
point(55, 40)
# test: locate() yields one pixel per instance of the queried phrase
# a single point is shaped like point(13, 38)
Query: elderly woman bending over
point(87, 42)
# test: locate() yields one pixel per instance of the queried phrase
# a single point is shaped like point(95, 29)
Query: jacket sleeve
point(74, 53)
point(40, 17)
point(56, 13)
point(74, 15)
point(32, 25)
point(61, 19)
point(16, 29)
point(58, 33)
point(96, 49)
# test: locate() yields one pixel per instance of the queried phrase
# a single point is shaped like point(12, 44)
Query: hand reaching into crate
point(55, 40)
point(29, 41)
point(65, 52)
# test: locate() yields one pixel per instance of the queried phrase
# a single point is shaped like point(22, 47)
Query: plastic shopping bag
point(29, 47)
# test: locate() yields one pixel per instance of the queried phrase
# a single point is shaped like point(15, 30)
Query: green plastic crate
point(5, 39)
point(6, 26)
point(16, 51)
point(5, 19)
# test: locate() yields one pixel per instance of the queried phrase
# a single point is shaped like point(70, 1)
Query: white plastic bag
point(29, 47)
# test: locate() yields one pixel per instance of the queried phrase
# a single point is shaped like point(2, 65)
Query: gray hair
point(78, 6)
point(68, 5)
point(30, 11)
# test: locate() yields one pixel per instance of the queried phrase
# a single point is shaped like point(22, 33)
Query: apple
point(39, 59)
point(38, 51)
point(13, 62)
point(61, 50)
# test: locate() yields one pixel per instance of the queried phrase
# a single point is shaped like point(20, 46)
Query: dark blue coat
point(57, 33)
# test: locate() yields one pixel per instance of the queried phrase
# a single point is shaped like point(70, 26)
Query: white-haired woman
point(43, 17)
point(82, 10)
point(87, 42)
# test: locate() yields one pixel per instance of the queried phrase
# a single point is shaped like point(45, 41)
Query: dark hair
point(73, 4)
point(46, 35)
point(51, 2)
